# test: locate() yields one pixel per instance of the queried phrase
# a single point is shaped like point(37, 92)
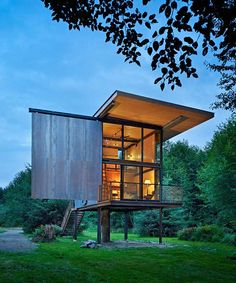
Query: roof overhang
point(173, 118)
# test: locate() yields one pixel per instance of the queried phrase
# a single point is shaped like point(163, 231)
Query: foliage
point(63, 261)
point(147, 223)
point(19, 209)
point(229, 239)
point(227, 83)
point(186, 233)
point(43, 212)
point(217, 178)
point(208, 233)
point(44, 234)
point(1, 195)
point(171, 35)
point(181, 164)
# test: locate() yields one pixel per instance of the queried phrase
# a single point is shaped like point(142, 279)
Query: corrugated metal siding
point(66, 157)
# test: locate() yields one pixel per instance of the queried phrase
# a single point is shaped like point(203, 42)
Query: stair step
point(68, 221)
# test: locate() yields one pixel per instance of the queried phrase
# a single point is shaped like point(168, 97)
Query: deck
point(117, 205)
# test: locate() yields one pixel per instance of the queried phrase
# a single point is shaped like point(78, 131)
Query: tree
point(217, 178)
point(187, 27)
point(181, 165)
point(227, 70)
point(19, 209)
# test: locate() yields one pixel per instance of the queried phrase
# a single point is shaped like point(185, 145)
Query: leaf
point(167, 11)
point(183, 10)
point(205, 51)
point(195, 75)
point(162, 8)
point(174, 5)
point(119, 50)
point(144, 15)
point(178, 82)
point(151, 17)
point(149, 50)
point(195, 44)
point(154, 34)
point(188, 40)
point(157, 80)
point(162, 86)
point(212, 43)
point(145, 2)
point(155, 45)
point(147, 24)
point(144, 42)
point(164, 71)
point(162, 30)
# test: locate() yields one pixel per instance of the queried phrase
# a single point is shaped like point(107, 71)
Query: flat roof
point(173, 118)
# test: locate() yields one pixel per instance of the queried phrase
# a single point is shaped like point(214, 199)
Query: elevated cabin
point(112, 160)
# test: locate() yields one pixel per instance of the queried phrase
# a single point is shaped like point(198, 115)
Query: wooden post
point(75, 226)
point(160, 227)
point(99, 226)
point(106, 225)
point(126, 225)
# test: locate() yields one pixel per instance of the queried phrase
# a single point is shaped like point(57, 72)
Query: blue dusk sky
point(44, 65)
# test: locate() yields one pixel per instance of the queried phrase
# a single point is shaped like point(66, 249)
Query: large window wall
point(131, 161)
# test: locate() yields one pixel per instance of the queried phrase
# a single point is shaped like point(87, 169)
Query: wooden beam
point(160, 227)
point(126, 225)
point(105, 225)
point(99, 226)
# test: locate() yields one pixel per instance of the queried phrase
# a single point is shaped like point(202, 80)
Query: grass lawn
point(2, 230)
point(64, 261)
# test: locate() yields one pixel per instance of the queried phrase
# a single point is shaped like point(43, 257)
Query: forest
point(208, 179)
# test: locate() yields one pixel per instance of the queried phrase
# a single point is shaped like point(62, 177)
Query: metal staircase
point(71, 221)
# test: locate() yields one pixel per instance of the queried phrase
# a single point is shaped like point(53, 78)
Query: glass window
point(132, 143)
point(151, 184)
point(158, 147)
point(112, 141)
point(131, 182)
point(149, 145)
point(111, 182)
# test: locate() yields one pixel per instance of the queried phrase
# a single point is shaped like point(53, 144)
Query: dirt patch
point(13, 240)
point(134, 244)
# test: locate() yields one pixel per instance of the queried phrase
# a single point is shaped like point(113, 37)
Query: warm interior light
point(147, 182)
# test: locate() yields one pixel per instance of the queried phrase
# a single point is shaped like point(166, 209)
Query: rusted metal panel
point(66, 157)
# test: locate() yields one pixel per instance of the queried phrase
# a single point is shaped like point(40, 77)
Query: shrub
point(147, 223)
point(208, 233)
point(43, 212)
point(57, 229)
point(46, 233)
point(186, 234)
point(229, 239)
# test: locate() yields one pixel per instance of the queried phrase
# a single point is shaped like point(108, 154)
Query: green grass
point(64, 261)
point(2, 230)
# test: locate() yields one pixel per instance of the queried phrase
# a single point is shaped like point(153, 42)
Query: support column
point(106, 225)
point(75, 226)
point(160, 227)
point(126, 225)
point(99, 226)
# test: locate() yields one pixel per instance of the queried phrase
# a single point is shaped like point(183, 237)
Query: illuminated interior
point(131, 162)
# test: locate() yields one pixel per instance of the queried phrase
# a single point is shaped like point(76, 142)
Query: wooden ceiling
point(174, 118)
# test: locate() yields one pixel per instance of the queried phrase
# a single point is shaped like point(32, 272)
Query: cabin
point(111, 161)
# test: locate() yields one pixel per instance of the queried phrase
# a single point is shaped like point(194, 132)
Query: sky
point(44, 65)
